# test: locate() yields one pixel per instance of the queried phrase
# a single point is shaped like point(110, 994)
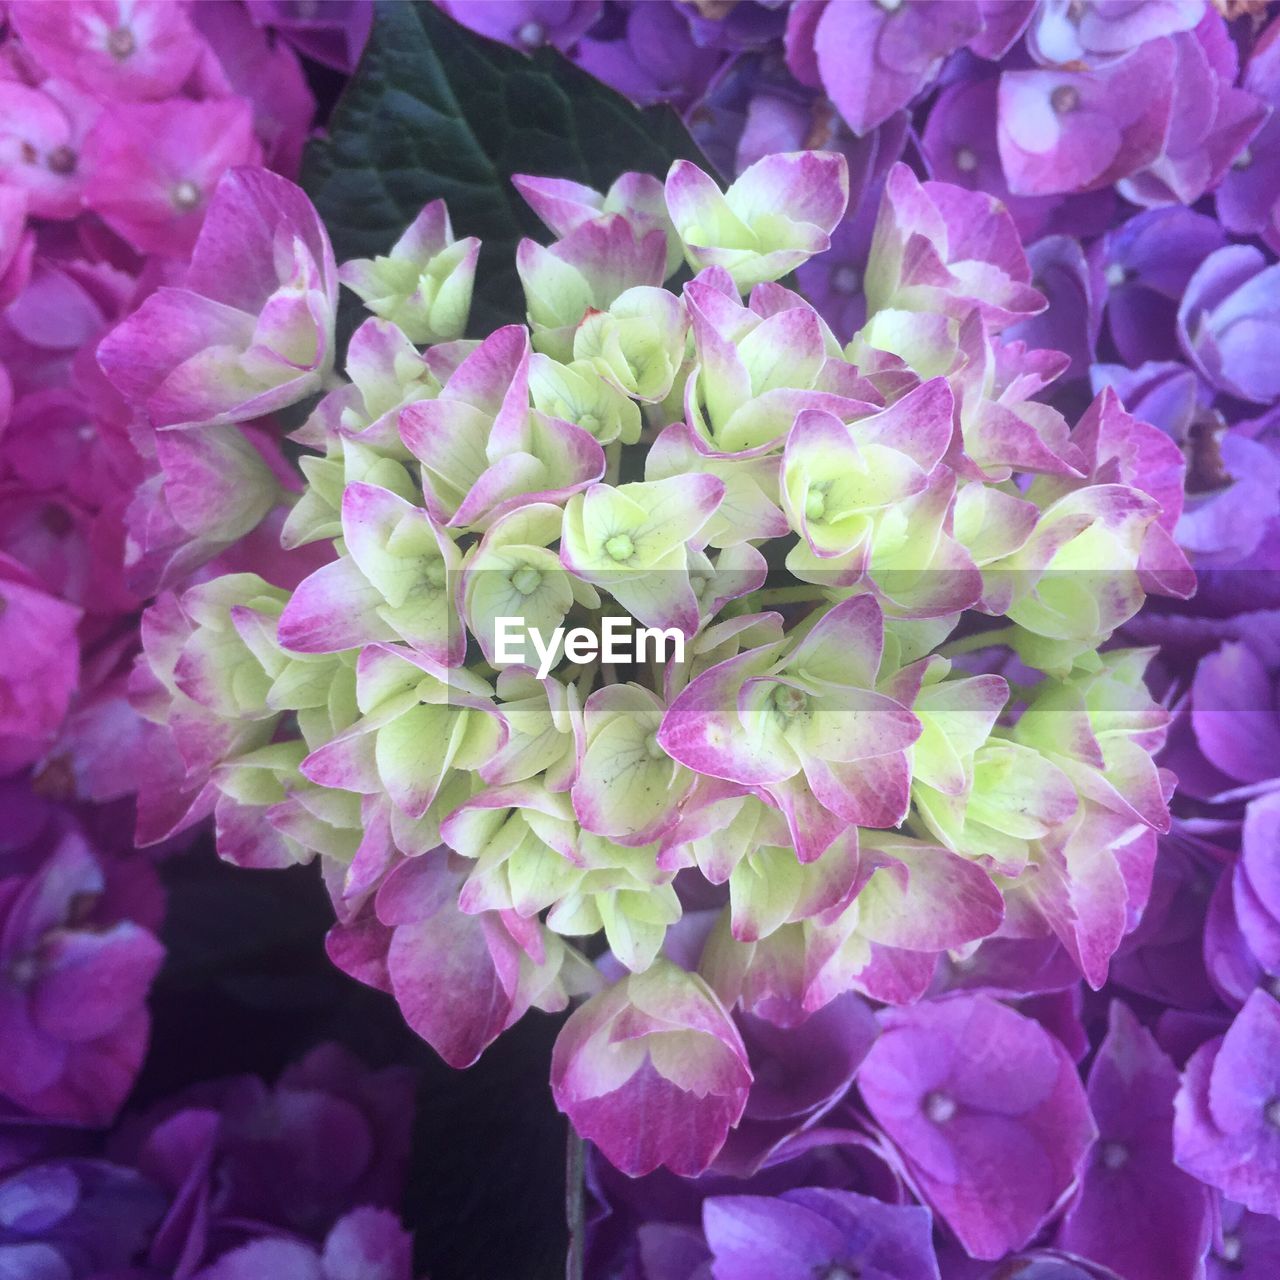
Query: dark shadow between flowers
point(247, 987)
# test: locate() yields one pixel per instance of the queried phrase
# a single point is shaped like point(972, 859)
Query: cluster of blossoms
point(208, 1184)
point(117, 118)
point(851, 891)
point(116, 121)
point(1135, 147)
point(817, 799)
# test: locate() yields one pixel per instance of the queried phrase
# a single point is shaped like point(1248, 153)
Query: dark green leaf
point(435, 111)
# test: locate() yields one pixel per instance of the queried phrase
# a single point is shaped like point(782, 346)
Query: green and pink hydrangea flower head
point(871, 717)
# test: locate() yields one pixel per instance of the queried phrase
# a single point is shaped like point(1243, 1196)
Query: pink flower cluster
point(117, 120)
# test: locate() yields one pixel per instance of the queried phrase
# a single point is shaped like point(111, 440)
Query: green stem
point(612, 462)
point(575, 1204)
point(789, 595)
point(979, 640)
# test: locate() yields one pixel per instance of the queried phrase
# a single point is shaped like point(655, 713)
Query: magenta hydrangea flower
point(653, 1071)
point(273, 314)
point(40, 668)
point(152, 167)
point(114, 49)
point(42, 133)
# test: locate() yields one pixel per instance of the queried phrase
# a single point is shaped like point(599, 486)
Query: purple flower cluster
point(1134, 1132)
point(229, 1180)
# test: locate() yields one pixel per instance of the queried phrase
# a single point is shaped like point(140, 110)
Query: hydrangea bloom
point(78, 955)
point(1070, 115)
point(823, 768)
point(210, 1183)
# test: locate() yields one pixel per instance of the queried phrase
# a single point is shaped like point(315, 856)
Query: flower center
point(1115, 1155)
point(815, 504)
point(532, 34)
point(435, 573)
point(1243, 160)
point(185, 196)
point(120, 43)
point(966, 160)
point(1065, 98)
point(61, 160)
point(939, 1107)
point(788, 701)
point(652, 749)
point(846, 280)
point(620, 547)
point(1116, 274)
point(527, 580)
point(890, 6)
point(1231, 1248)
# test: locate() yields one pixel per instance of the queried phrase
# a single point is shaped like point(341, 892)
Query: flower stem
point(979, 640)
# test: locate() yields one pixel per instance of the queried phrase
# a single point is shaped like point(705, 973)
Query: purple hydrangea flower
point(1066, 131)
point(1211, 119)
point(813, 1231)
point(1147, 263)
point(653, 59)
point(1227, 1125)
point(987, 1113)
point(526, 24)
point(333, 33)
point(1248, 1247)
point(1229, 322)
point(74, 967)
point(1131, 1176)
point(873, 56)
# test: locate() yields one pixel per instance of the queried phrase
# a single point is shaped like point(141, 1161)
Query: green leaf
point(436, 111)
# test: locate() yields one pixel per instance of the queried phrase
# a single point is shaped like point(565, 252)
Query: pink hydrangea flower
point(42, 133)
point(39, 665)
point(653, 1071)
point(113, 49)
point(251, 331)
point(152, 168)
